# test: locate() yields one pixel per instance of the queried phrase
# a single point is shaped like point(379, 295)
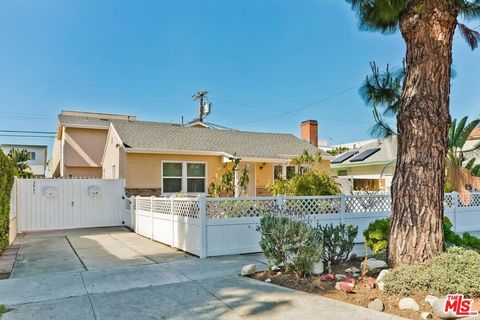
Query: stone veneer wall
point(143, 192)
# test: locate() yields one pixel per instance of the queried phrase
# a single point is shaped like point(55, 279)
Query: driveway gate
point(49, 204)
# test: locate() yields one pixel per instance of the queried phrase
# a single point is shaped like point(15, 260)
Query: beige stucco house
point(158, 158)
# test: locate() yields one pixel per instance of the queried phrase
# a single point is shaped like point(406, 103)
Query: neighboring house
point(79, 143)
point(475, 135)
point(163, 158)
point(38, 155)
point(369, 167)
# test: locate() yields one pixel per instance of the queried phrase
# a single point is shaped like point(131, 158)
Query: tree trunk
point(416, 228)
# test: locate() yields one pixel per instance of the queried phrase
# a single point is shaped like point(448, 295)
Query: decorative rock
point(381, 276)
point(279, 273)
point(349, 280)
point(268, 280)
point(374, 264)
point(430, 299)
point(340, 276)
point(347, 287)
point(276, 268)
point(426, 315)
point(352, 270)
point(377, 305)
point(369, 283)
point(249, 269)
point(318, 268)
point(408, 304)
point(356, 275)
point(439, 309)
point(327, 277)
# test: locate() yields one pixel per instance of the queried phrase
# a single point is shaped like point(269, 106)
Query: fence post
point(342, 208)
point(202, 212)
point(132, 214)
point(455, 207)
point(172, 220)
point(136, 215)
point(279, 200)
point(151, 217)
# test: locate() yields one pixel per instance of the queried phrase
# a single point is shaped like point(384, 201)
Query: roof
point(90, 119)
point(387, 152)
point(475, 135)
point(157, 136)
point(23, 145)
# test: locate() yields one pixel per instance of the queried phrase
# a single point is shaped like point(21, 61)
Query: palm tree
point(423, 119)
point(21, 166)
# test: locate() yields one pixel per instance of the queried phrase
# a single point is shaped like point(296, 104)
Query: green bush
point(6, 183)
point(338, 241)
point(310, 183)
point(376, 236)
point(289, 242)
point(454, 271)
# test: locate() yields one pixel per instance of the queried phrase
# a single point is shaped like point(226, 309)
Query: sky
point(267, 64)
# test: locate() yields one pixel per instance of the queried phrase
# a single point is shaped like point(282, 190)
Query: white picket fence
point(221, 226)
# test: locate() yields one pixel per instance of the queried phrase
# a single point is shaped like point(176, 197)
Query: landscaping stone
point(356, 275)
point(439, 310)
point(352, 270)
point(377, 305)
point(381, 276)
point(340, 276)
point(268, 280)
point(374, 264)
point(430, 299)
point(318, 268)
point(279, 273)
point(408, 304)
point(369, 283)
point(327, 277)
point(247, 270)
point(345, 286)
point(426, 315)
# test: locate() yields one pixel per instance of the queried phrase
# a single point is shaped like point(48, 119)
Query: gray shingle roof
point(164, 136)
point(76, 121)
point(387, 152)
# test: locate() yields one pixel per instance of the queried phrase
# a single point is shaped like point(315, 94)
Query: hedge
point(6, 184)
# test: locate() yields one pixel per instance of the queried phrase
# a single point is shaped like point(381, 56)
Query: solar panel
point(365, 154)
point(344, 156)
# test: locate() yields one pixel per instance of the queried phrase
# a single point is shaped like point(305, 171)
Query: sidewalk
point(185, 289)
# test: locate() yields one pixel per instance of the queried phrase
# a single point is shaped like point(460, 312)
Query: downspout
point(383, 170)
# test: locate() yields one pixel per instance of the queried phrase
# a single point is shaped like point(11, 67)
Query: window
point(183, 177)
point(342, 173)
point(291, 170)
point(32, 155)
point(277, 171)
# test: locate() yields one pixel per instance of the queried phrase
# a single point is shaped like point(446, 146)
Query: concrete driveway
point(112, 273)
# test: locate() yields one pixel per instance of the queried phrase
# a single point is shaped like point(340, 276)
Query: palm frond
point(458, 131)
point(469, 9)
point(471, 36)
point(378, 15)
point(465, 133)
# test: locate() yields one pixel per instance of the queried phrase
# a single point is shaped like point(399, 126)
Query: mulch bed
point(7, 260)
point(362, 296)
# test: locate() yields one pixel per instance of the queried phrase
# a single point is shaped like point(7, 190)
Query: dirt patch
point(362, 296)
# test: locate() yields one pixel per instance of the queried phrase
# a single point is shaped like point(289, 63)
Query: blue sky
point(260, 59)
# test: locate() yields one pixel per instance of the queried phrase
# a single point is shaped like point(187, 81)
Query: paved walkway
point(176, 286)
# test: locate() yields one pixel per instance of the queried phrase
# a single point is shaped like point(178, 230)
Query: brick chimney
point(309, 131)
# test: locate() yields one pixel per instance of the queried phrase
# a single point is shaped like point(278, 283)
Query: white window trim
point(184, 176)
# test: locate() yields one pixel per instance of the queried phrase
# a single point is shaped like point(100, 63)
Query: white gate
point(49, 204)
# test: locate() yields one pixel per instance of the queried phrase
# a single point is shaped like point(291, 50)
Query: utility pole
point(200, 95)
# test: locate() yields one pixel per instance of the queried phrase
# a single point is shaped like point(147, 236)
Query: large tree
point(423, 119)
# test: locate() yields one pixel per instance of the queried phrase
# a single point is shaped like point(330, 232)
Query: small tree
point(338, 150)
point(20, 160)
point(225, 184)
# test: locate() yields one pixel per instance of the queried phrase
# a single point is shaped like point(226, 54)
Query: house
point(38, 156)
point(369, 167)
point(157, 158)
point(80, 142)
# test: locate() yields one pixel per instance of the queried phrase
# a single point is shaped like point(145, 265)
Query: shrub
point(376, 236)
point(338, 241)
point(454, 271)
point(6, 183)
point(289, 241)
point(310, 183)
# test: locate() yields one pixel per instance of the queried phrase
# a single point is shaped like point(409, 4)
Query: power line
point(25, 131)
point(25, 136)
point(306, 106)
